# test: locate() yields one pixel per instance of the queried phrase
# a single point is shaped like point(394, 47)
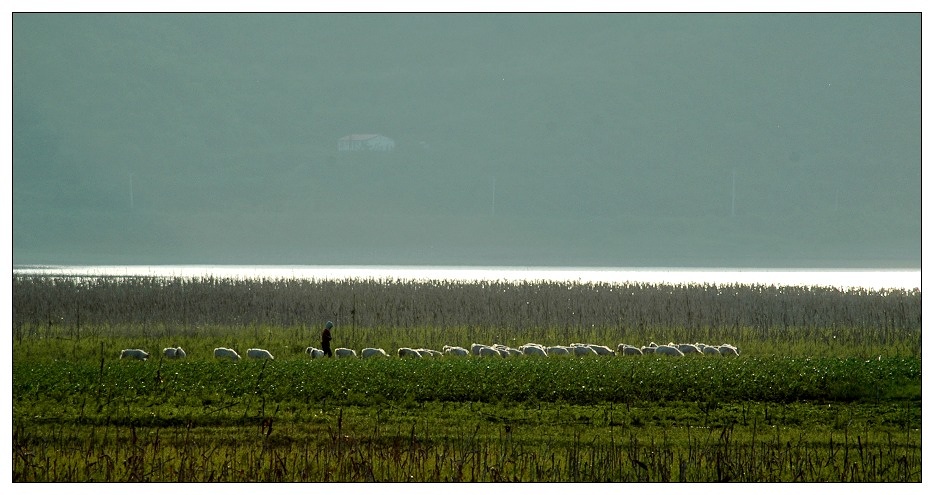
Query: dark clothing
point(326, 342)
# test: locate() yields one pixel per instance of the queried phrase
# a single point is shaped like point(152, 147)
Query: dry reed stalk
point(174, 306)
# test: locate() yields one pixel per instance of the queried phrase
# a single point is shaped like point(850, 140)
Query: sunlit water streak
point(843, 279)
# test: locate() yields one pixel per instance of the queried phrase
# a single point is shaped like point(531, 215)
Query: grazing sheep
point(557, 350)
point(314, 352)
point(343, 352)
point(582, 350)
point(728, 350)
point(501, 349)
point(223, 352)
point(485, 350)
point(709, 349)
point(408, 352)
point(373, 352)
point(173, 352)
point(489, 351)
point(258, 354)
point(533, 350)
point(628, 350)
point(688, 349)
point(668, 350)
point(455, 351)
point(134, 354)
point(601, 350)
point(507, 351)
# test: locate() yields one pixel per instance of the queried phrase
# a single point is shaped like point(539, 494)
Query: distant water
point(843, 279)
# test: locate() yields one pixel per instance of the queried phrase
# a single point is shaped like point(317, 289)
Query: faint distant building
point(365, 142)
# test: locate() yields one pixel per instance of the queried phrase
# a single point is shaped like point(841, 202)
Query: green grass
point(168, 387)
point(531, 419)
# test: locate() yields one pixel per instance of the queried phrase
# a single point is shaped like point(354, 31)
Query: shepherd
point(326, 339)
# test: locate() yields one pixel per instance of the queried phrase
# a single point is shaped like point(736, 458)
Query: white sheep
point(507, 351)
point(258, 354)
point(689, 349)
point(223, 352)
point(628, 350)
point(455, 351)
point(484, 350)
point(668, 350)
point(343, 352)
point(728, 350)
point(314, 352)
point(533, 350)
point(489, 351)
point(557, 350)
point(632, 351)
point(601, 350)
point(373, 352)
point(134, 354)
point(173, 352)
point(408, 352)
point(709, 349)
point(582, 350)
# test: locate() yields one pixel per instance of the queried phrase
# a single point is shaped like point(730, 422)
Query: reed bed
point(428, 312)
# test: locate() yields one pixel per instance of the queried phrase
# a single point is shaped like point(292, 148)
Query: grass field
point(827, 386)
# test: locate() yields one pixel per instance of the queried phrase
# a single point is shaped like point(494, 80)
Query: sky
point(759, 140)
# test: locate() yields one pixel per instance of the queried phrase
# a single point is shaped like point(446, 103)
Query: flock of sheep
point(494, 350)
point(532, 349)
point(178, 353)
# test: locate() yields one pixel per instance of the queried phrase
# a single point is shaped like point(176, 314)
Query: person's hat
point(328, 325)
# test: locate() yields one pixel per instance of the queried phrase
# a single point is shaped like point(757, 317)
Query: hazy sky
point(562, 139)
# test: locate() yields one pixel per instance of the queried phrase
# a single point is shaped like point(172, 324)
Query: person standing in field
point(326, 339)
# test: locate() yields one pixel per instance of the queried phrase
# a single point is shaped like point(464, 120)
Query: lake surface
point(844, 279)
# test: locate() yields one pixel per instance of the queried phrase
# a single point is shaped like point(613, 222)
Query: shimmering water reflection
point(844, 279)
